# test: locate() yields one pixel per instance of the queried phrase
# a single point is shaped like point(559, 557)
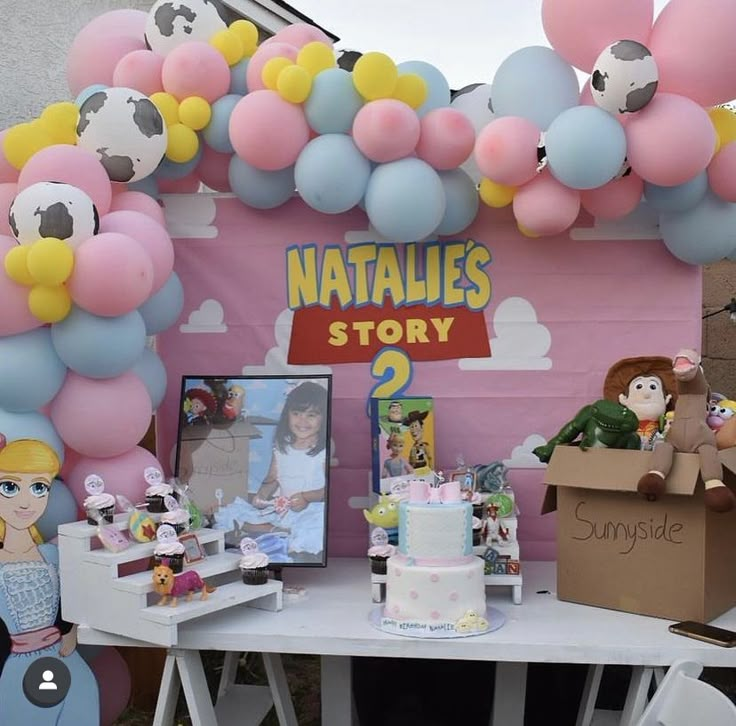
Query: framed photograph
point(467, 478)
point(193, 551)
point(255, 451)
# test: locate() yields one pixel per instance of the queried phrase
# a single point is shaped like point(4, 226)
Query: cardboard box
point(671, 558)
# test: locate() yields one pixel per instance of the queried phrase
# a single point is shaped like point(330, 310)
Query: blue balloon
point(462, 202)
point(168, 169)
point(333, 102)
point(61, 508)
point(405, 200)
point(586, 147)
point(147, 185)
point(534, 83)
point(99, 347)
point(85, 93)
point(238, 81)
point(31, 373)
point(331, 174)
point(679, 198)
point(163, 309)
point(217, 132)
point(701, 235)
point(438, 89)
point(151, 371)
point(31, 425)
point(260, 189)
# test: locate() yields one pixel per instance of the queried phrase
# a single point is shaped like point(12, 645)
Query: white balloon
point(173, 22)
point(474, 102)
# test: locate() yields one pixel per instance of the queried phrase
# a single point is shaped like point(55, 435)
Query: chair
point(683, 700)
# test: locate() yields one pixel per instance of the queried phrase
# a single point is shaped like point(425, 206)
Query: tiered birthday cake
point(434, 583)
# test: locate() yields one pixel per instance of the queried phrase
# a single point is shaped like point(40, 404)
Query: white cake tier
point(429, 531)
point(434, 594)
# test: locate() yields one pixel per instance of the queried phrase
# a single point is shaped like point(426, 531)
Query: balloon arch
point(168, 100)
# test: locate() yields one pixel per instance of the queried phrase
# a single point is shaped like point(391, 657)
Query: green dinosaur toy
point(603, 424)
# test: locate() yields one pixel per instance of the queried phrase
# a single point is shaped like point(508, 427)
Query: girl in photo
point(29, 593)
point(395, 464)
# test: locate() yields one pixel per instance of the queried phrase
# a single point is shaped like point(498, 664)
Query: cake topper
point(248, 545)
point(379, 537)
point(170, 503)
point(94, 484)
point(166, 533)
point(153, 475)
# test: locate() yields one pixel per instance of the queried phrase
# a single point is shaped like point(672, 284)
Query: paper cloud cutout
point(190, 216)
point(522, 457)
point(641, 224)
point(521, 342)
point(209, 318)
point(276, 358)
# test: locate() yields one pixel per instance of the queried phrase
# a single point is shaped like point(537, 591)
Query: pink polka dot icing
point(434, 578)
point(434, 615)
point(453, 596)
point(413, 594)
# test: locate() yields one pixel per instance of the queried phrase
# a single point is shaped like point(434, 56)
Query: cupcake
point(157, 489)
point(478, 505)
point(178, 518)
point(380, 551)
point(477, 530)
point(253, 563)
point(168, 550)
point(98, 504)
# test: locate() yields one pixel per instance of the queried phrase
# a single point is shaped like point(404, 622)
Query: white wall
point(36, 38)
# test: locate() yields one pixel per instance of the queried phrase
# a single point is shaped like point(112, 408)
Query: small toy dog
point(168, 585)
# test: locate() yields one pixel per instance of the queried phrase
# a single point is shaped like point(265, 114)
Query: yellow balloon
point(168, 106)
point(272, 69)
point(195, 112)
point(724, 122)
point(496, 195)
point(183, 143)
point(59, 121)
point(294, 84)
point(412, 89)
point(315, 57)
point(16, 265)
point(375, 76)
point(527, 232)
point(248, 34)
point(23, 141)
point(229, 44)
point(49, 303)
point(50, 261)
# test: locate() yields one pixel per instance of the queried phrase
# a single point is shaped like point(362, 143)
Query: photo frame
point(255, 452)
point(193, 551)
point(468, 479)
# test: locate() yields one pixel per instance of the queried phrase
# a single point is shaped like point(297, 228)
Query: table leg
point(637, 695)
point(229, 671)
point(509, 694)
point(279, 689)
point(194, 683)
point(337, 690)
point(168, 694)
point(590, 695)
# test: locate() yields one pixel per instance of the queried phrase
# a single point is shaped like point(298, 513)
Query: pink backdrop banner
point(562, 310)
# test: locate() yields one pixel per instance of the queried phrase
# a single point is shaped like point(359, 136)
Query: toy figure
point(171, 586)
point(647, 387)
point(199, 406)
point(232, 408)
point(395, 465)
point(29, 593)
point(419, 454)
point(689, 434)
point(385, 514)
point(603, 424)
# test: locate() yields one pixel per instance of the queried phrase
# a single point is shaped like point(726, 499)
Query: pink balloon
point(140, 70)
point(123, 474)
point(692, 43)
point(15, 317)
point(93, 60)
point(298, 35)
point(546, 207)
point(71, 165)
point(143, 203)
point(265, 52)
point(506, 150)
point(196, 69)
point(722, 173)
point(117, 22)
point(113, 679)
point(268, 132)
point(447, 138)
point(213, 169)
point(386, 130)
point(102, 418)
point(670, 141)
point(614, 200)
point(188, 184)
point(150, 234)
point(113, 274)
point(579, 30)
point(7, 195)
point(8, 173)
